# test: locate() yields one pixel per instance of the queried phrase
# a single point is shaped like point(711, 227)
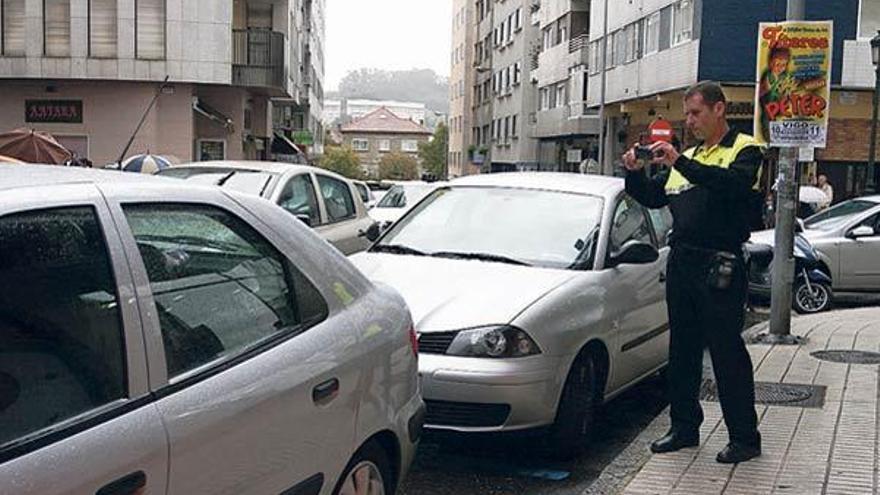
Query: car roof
point(594, 185)
point(18, 176)
point(258, 166)
point(875, 198)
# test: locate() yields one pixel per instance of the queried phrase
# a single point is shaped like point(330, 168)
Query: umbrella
point(812, 195)
point(145, 164)
point(33, 146)
point(9, 159)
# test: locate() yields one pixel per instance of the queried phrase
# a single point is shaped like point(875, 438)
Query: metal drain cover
point(775, 394)
point(851, 357)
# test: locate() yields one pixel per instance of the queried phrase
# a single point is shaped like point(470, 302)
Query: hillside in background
point(416, 85)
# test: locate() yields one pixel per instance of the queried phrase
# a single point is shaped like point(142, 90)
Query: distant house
point(380, 132)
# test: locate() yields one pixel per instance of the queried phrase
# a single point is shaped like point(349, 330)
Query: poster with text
point(793, 88)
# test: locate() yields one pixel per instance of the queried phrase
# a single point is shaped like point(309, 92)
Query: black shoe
point(738, 452)
point(674, 441)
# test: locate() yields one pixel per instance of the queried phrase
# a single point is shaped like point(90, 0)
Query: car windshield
point(519, 226)
point(246, 181)
point(835, 217)
point(399, 196)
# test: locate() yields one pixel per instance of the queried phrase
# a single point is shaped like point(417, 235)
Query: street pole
point(873, 177)
point(786, 205)
point(143, 118)
point(602, 90)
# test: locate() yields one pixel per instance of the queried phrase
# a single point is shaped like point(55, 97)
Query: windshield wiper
point(479, 256)
point(396, 249)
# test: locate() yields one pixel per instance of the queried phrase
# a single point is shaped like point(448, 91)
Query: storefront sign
point(53, 111)
point(794, 83)
point(574, 156)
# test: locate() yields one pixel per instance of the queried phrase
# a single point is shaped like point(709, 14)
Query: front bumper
point(470, 394)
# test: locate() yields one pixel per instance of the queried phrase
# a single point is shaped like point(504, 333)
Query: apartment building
point(461, 80)
point(566, 129)
point(85, 71)
point(655, 49)
point(379, 133)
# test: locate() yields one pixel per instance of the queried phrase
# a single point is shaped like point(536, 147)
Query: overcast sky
point(387, 34)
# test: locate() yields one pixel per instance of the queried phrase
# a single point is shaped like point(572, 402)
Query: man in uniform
point(710, 190)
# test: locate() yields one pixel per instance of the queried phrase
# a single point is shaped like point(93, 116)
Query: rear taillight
point(414, 340)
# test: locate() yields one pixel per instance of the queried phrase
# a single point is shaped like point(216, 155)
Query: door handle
point(325, 392)
point(130, 484)
point(662, 277)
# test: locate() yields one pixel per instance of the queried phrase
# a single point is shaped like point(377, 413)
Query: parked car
point(326, 201)
point(847, 237)
point(366, 193)
point(399, 199)
point(536, 296)
point(157, 337)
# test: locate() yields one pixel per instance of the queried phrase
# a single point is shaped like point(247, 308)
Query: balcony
point(258, 60)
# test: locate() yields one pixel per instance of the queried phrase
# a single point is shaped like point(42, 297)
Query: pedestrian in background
point(826, 188)
point(711, 190)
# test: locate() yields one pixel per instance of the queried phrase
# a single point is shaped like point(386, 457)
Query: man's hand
point(664, 153)
point(629, 160)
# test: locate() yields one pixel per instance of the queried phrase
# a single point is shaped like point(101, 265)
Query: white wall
point(858, 70)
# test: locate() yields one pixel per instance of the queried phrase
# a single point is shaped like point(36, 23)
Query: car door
point(75, 411)
point(859, 265)
point(344, 226)
point(252, 397)
point(638, 295)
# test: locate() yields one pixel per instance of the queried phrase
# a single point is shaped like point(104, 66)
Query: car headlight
point(499, 341)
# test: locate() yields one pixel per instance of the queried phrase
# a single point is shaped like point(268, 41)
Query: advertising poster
point(793, 88)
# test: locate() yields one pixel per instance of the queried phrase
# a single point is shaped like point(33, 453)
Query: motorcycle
point(811, 290)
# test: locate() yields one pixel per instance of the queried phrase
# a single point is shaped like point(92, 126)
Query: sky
point(387, 34)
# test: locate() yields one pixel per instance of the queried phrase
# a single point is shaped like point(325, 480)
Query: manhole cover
point(851, 357)
point(775, 394)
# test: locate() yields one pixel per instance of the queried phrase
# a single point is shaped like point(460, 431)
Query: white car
point(366, 193)
point(325, 201)
point(399, 199)
point(536, 296)
point(157, 337)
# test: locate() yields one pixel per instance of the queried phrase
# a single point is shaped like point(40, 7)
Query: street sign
point(660, 130)
point(793, 90)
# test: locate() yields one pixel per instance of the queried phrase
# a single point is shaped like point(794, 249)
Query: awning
point(281, 145)
point(210, 113)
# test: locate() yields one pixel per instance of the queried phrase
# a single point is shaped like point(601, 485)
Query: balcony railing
point(258, 58)
point(578, 43)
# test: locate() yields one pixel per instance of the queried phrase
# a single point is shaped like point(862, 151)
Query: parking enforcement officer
point(710, 190)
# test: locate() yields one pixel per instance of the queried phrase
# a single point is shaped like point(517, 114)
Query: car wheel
point(368, 473)
point(570, 434)
point(806, 301)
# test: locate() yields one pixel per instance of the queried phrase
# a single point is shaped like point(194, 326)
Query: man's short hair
point(710, 91)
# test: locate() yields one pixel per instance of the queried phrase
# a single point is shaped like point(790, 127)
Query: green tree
point(434, 153)
point(342, 160)
point(398, 166)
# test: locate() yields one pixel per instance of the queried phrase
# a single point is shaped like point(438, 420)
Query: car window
point(873, 221)
point(629, 224)
point(661, 219)
point(219, 287)
point(61, 340)
point(838, 215)
point(363, 191)
point(337, 198)
point(298, 197)
point(394, 198)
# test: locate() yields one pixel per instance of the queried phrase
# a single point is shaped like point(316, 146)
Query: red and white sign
point(660, 130)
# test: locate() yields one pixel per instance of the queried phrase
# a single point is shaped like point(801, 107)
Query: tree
point(398, 166)
point(434, 153)
point(342, 160)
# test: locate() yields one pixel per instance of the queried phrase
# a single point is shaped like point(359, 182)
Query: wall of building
point(370, 159)
point(460, 88)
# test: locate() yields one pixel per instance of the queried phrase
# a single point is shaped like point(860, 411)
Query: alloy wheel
point(364, 479)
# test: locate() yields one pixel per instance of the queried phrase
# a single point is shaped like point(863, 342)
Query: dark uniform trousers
point(701, 315)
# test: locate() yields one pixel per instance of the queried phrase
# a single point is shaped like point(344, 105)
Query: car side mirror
point(634, 253)
point(372, 233)
point(861, 231)
point(304, 219)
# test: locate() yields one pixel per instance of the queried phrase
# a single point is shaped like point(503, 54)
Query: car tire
point(367, 473)
point(569, 436)
point(803, 302)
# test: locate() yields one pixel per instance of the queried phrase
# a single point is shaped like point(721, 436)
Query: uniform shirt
point(711, 192)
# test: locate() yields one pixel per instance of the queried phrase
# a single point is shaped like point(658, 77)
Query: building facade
point(379, 133)
point(461, 80)
point(344, 110)
point(655, 49)
point(86, 70)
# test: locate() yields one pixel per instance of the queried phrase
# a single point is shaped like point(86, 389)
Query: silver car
point(157, 337)
point(326, 201)
point(536, 296)
point(848, 237)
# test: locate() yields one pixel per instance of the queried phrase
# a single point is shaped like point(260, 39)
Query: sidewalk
point(831, 449)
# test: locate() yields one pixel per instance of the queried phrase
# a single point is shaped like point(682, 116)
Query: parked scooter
point(811, 292)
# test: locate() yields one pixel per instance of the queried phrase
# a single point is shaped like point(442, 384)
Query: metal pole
point(786, 203)
point(602, 91)
point(873, 174)
point(143, 118)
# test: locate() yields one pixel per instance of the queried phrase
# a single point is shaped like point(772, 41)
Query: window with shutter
point(150, 29)
point(56, 28)
point(102, 28)
point(13, 28)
